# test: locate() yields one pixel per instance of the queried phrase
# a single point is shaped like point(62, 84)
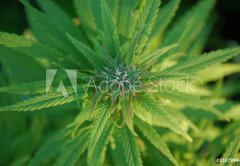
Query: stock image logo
point(61, 88)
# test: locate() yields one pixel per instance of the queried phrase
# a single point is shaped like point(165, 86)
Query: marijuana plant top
point(140, 80)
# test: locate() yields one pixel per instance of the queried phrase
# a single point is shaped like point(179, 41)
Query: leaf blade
point(155, 139)
point(130, 148)
point(143, 30)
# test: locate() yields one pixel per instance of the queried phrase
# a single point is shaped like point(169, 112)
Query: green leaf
point(58, 35)
point(126, 14)
point(61, 18)
point(116, 150)
point(97, 128)
point(93, 57)
point(191, 100)
point(40, 102)
point(199, 44)
point(111, 42)
point(97, 13)
point(153, 78)
point(47, 24)
point(151, 134)
point(97, 157)
point(150, 59)
point(39, 32)
point(218, 72)
point(165, 15)
point(153, 107)
point(31, 48)
point(110, 61)
point(127, 112)
point(85, 115)
point(130, 147)
point(32, 69)
point(84, 12)
point(194, 64)
point(12, 40)
point(144, 27)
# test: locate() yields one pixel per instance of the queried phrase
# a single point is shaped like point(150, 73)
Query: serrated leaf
point(218, 72)
point(191, 100)
point(151, 58)
point(93, 57)
point(40, 102)
point(151, 134)
point(111, 43)
point(127, 112)
point(31, 48)
point(153, 107)
point(56, 34)
point(165, 15)
point(130, 148)
point(98, 155)
point(61, 18)
point(194, 64)
point(126, 14)
point(153, 77)
point(85, 115)
point(97, 128)
point(144, 27)
point(12, 40)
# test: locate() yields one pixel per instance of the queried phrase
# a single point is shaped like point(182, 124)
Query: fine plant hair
point(142, 96)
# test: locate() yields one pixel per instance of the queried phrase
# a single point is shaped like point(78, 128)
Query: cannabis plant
point(123, 83)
